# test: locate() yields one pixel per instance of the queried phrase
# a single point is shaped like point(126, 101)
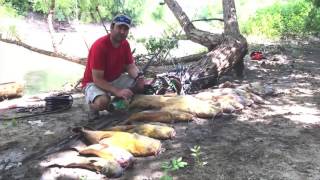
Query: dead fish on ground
point(187, 104)
point(109, 168)
point(136, 144)
point(122, 156)
point(160, 116)
point(151, 130)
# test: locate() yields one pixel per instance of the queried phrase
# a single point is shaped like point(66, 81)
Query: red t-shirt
point(103, 56)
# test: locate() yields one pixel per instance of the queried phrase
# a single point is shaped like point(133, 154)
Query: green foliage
point(14, 122)
point(21, 6)
point(83, 177)
point(161, 46)
point(12, 32)
point(158, 13)
point(282, 20)
point(293, 18)
point(154, 45)
point(7, 11)
point(134, 9)
point(85, 10)
point(108, 9)
point(316, 3)
point(64, 9)
point(196, 153)
point(173, 165)
point(313, 21)
point(5, 124)
point(41, 6)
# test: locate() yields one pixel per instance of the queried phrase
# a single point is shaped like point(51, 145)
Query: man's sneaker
point(93, 114)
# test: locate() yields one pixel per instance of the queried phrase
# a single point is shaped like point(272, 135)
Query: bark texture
point(226, 51)
point(50, 21)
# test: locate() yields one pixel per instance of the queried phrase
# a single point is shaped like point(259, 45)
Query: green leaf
point(14, 122)
point(183, 164)
point(166, 166)
point(166, 177)
point(175, 167)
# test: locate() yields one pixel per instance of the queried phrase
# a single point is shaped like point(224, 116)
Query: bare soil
point(278, 140)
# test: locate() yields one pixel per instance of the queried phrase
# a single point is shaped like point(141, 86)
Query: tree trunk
point(50, 26)
point(226, 51)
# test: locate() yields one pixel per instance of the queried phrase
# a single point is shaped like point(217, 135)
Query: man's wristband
point(140, 74)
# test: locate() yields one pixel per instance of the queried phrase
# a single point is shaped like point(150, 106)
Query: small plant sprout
point(83, 177)
point(14, 122)
point(173, 165)
point(196, 153)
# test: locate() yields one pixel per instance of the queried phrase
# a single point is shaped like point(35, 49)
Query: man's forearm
point(105, 85)
point(132, 70)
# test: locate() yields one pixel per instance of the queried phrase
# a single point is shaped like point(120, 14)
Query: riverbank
point(278, 140)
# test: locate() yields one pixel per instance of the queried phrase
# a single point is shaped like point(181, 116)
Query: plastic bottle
point(118, 104)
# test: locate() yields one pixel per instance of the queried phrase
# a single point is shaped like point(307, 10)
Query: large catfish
point(136, 144)
point(163, 116)
point(162, 132)
point(71, 159)
point(122, 156)
point(187, 104)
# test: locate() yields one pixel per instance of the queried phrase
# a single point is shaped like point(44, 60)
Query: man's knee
point(102, 102)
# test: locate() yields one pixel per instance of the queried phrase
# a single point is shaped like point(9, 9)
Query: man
point(109, 58)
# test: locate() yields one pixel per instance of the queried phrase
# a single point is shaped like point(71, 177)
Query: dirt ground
point(278, 140)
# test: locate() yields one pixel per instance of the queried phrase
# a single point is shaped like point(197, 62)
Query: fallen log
point(11, 90)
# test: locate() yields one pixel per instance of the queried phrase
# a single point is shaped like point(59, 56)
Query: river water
point(39, 73)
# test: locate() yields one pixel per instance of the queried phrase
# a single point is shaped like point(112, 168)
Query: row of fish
point(115, 148)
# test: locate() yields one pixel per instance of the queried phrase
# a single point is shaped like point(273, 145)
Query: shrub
point(22, 7)
point(280, 20)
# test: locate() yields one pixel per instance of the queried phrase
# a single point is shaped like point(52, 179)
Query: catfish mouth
point(159, 150)
point(125, 164)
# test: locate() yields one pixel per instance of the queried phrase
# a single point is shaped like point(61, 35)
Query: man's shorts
point(91, 91)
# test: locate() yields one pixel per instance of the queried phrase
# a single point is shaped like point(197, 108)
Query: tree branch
point(192, 33)
point(77, 60)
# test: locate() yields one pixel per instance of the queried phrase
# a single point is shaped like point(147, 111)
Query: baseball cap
point(122, 19)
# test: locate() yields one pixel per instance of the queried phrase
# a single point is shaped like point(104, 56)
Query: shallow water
point(38, 72)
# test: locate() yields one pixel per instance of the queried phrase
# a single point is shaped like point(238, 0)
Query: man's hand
point(140, 83)
point(124, 93)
